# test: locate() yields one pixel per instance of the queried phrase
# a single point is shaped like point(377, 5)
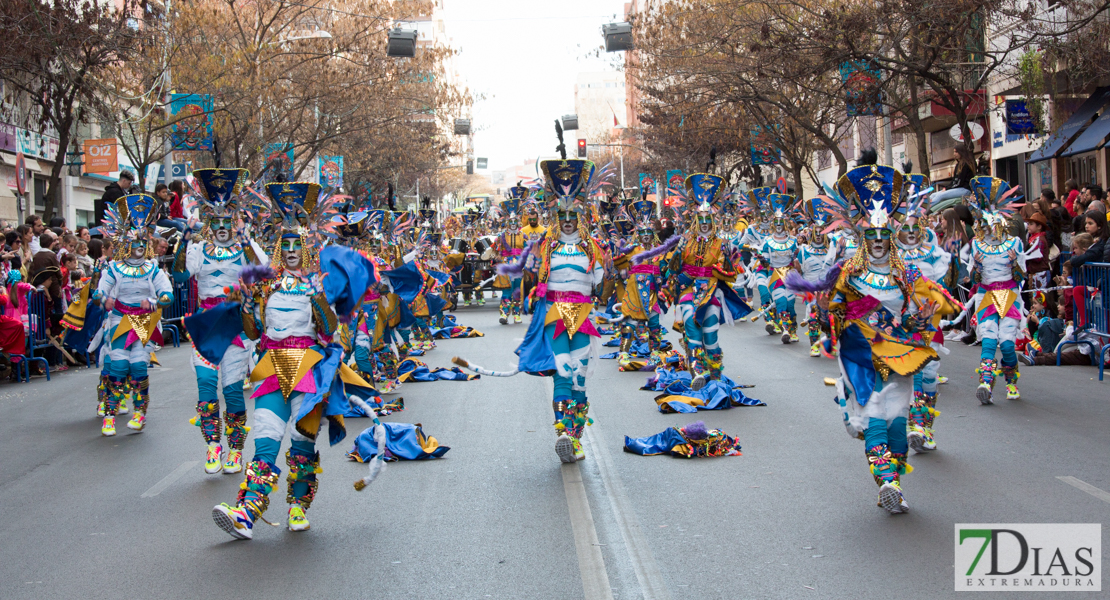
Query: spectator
point(1072, 190)
point(58, 222)
point(69, 245)
point(47, 240)
point(114, 191)
point(25, 236)
point(83, 233)
point(1095, 226)
point(1037, 268)
point(177, 207)
point(34, 223)
point(13, 255)
point(96, 250)
point(965, 171)
point(165, 209)
point(83, 258)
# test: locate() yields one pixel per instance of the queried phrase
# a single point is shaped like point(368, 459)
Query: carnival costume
point(883, 312)
point(132, 289)
point(757, 207)
point(508, 246)
point(700, 273)
point(815, 257)
point(213, 258)
point(300, 376)
point(562, 341)
point(917, 246)
point(778, 254)
point(997, 266)
point(644, 296)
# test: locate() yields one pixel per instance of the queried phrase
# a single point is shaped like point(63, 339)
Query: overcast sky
point(524, 57)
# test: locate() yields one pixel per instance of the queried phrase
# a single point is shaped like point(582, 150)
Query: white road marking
point(648, 575)
point(168, 480)
point(591, 564)
point(1086, 487)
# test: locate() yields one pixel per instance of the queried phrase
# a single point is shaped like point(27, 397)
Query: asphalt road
point(499, 517)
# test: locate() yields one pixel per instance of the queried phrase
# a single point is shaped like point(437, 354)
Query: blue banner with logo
point(282, 155)
point(191, 118)
point(647, 185)
point(330, 169)
point(1019, 120)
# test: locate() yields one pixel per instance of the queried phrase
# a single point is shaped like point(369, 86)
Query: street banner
point(191, 115)
point(283, 154)
point(100, 155)
point(861, 86)
point(676, 180)
point(647, 186)
point(764, 151)
point(331, 171)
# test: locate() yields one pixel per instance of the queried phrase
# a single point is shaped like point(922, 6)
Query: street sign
point(20, 174)
point(100, 155)
point(482, 163)
point(180, 170)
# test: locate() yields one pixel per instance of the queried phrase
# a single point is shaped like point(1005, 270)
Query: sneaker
point(100, 409)
point(579, 452)
point(815, 350)
point(137, 422)
point(1012, 392)
point(123, 410)
point(698, 382)
point(481, 300)
point(984, 394)
point(793, 338)
point(234, 462)
point(212, 460)
point(516, 319)
point(1025, 359)
point(108, 427)
point(892, 500)
point(785, 338)
point(503, 320)
point(235, 520)
point(919, 439)
point(941, 379)
point(564, 447)
point(297, 519)
point(770, 328)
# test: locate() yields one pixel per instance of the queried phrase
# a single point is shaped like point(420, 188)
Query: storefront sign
point(1019, 121)
point(100, 155)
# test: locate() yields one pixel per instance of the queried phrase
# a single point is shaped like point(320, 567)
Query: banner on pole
point(331, 171)
point(862, 87)
point(764, 151)
point(191, 115)
point(647, 186)
point(282, 155)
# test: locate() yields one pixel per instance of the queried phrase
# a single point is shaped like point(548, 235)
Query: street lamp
point(402, 43)
point(618, 36)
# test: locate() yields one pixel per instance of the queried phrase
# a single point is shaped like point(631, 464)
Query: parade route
point(500, 517)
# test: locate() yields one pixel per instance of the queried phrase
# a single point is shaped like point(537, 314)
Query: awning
point(1069, 131)
point(1093, 138)
point(30, 163)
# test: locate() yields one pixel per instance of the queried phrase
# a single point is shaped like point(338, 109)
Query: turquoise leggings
point(574, 386)
point(207, 382)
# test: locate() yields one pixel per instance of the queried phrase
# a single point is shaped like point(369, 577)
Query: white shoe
point(697, 382)
point(983, 393)
point(891, 499)
point(564, 447)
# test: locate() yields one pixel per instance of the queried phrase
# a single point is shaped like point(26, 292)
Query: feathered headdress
point(780, 204)
point(875, 196)
point(993, 201)
point(217, 191)
point(917, 194)
point(760, 199)
point(643, 214)
point(301, 209)
point(567, 184)
point(131, 218)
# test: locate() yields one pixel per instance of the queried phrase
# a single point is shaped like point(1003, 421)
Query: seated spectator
point(1095, 226)
point(1037, 268)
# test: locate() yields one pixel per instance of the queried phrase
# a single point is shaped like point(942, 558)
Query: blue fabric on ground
point(402, 443)
point(660, 443)
point(423, 373)
point(717, 394)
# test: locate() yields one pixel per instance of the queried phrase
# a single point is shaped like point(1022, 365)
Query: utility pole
point(167, 160)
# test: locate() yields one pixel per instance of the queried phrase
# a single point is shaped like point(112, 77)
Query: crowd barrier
point(1092, 313)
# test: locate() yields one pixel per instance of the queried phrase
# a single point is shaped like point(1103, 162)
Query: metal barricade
point(38, 336)
point(184, 304)
point(1091, 307)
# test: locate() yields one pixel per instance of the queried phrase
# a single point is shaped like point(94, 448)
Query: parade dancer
point(757, 207)
point(300, 375)
point(779, 252)
point(883, 310)
point(561, 340)
point(132, 290)
point(471, 245)
point(642, 303)
point(507, 247)
point(213, 258)
point(815, 258)
point(700, 273)
point(997, 266)
point(917, 246)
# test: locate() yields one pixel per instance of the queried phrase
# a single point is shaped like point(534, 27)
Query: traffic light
point(582, 148)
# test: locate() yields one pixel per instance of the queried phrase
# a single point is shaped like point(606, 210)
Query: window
point(40, 195)
point(85, 218)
